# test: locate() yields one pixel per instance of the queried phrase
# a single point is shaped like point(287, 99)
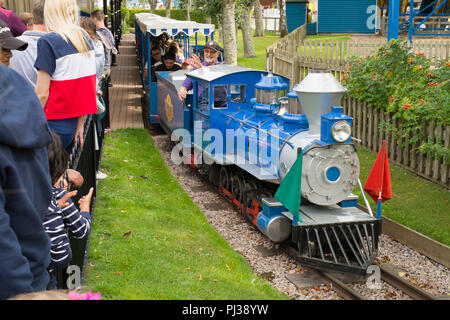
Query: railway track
point(387, 272)
point(341, 288)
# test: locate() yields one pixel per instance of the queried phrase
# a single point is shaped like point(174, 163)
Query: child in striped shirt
point(62, 215)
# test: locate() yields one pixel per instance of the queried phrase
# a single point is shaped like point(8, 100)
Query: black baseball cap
point(7, 41)
point(213, 45)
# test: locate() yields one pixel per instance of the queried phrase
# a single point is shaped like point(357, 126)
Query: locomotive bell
point(318, 92)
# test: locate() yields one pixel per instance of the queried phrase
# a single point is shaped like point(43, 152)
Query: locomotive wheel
point(213, 174)
point(224, 178)
point(237, 187)
point(250, 197)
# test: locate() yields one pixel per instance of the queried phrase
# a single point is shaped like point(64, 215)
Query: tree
point(213, 10)
point(168, 4)
point(152, 5)
point(244, 8)
point(259, 21)
point(283, 19)
point(229, 31)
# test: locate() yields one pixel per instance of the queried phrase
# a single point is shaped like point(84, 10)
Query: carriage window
point(203, 97)
point(220, 96)
point(237, 93)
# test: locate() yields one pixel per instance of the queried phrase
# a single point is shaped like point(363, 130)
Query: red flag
point(378, 184)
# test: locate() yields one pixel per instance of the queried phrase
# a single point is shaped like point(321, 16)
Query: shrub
point(410, 87)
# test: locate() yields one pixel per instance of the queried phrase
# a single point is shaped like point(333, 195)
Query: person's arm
point(43, 87)
point(45, 64)
point(15, 273)
point(75, 178)
point(77, 222)
point(60, 254)
point(79, 133)
point(16, 25)
point(185, 87)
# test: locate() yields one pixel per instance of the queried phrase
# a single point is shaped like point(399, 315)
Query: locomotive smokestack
point(318, 92)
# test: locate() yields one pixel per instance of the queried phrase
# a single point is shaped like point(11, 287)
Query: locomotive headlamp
point(341, 131)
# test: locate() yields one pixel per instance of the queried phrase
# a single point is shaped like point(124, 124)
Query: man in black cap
point(211, 52)
point(8, 43)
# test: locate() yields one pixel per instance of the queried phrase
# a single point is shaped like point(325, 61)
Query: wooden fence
point(366, 124)
point(293, 57)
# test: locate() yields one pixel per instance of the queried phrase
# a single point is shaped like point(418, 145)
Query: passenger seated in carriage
point(211, 52)
point(168, 63)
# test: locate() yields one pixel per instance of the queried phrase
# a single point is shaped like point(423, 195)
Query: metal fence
point(86, 160)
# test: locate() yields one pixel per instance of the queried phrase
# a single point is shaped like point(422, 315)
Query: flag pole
point(364, 197)
point(379, 207)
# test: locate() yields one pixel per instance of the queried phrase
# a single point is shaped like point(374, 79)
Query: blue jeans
point(65, 129)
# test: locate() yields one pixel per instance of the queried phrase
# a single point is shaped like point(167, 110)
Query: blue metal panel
point(295, 14)
point(347, 16)
point(311, 28)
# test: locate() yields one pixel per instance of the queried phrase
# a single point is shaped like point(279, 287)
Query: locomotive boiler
point(247, 129)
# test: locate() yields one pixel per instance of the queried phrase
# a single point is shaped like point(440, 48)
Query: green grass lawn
point(416, 203)
point(150, 241)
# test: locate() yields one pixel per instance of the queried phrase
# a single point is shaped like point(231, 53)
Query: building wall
point(295, 14)
point(346, 16)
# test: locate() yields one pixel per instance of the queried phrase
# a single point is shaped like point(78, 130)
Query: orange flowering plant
point(410, 87)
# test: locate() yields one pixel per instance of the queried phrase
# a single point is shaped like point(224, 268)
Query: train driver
point(212, 52)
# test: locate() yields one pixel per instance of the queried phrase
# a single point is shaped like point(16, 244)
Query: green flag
point(289, 191)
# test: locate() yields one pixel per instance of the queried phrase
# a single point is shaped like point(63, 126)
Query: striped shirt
point(57, 222)
point(72, 91)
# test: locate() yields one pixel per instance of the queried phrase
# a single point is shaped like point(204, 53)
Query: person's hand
point(195, 61)
point(62, 203)
point(85, 201)
point(79, 135)
point(182, 93)
point(75, 178)
point(61, 183)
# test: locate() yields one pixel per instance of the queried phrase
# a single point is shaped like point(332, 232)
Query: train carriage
point(149, 26)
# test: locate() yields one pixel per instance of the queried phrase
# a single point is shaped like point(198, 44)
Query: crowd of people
point(52, 65)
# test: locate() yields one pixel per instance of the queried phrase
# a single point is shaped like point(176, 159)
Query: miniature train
point(244, 127)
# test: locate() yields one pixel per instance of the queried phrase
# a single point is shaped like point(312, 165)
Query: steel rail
point(404, 285)
point(340, 287)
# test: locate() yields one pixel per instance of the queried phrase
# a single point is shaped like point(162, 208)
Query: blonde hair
point(43, 295)
point(62, 17)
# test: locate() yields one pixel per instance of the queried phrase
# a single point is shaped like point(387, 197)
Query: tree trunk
point(229, 32)
point(188, 10)
point(283, 20)
point(220, 32)
point(249, 49)
point(259, 21)
point(152, 5)
point(168, 7)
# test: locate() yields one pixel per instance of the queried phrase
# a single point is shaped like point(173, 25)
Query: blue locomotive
point(247, 130)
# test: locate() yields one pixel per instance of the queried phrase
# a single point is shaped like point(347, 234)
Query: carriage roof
point(212, 73)
point(156, 25)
